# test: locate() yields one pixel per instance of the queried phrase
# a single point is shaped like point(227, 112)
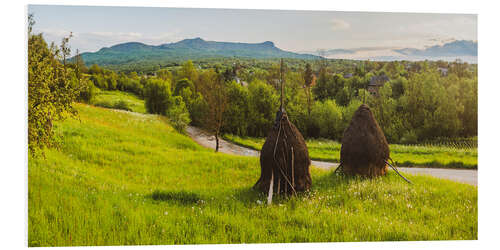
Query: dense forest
point(413, 101)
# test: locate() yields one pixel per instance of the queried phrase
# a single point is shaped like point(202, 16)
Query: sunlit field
point(124, 178)
point(403, 155)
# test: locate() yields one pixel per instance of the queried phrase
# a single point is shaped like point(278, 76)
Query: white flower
point(166, 213)
point(259, 202)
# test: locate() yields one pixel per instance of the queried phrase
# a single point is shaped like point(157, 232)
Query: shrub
point(123, 105)
point(87, 91)
point(263, 105)
point(157, 96)
point(409, 137)
point(178, 114)
point(327, 117)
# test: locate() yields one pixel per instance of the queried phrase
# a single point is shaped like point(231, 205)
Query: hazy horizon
point(95, 27)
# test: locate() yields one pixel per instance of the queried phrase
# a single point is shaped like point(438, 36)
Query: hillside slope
point(123, 178)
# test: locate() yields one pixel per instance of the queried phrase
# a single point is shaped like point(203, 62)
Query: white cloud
point(339, 24)
point(93, 41)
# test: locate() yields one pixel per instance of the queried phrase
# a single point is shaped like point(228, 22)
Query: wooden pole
point(270, 194)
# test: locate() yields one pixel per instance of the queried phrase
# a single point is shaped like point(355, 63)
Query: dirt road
point(468, 176)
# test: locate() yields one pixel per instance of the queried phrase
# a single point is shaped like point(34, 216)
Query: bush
point(327, 117)
point(178, 114)
point(121, 104)
point(409, 137)
point(87, 91)
point(157, 96)
point(263, 104)
point(236, 114)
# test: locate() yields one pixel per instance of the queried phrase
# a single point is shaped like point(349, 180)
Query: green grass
point(122, 178)
point(106, 98)
point(425, 156)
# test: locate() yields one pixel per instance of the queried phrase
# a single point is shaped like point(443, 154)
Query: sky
point(370, 33)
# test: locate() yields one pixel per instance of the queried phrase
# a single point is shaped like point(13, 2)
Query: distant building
point(376, 82)
point(241, 82)
point(348, 75)
point(443, 71)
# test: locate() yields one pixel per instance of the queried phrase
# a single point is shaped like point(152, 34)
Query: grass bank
point(119, 100)
point(122, 178)
point(425, 156)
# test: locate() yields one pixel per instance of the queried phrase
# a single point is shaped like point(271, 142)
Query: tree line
point(418, 102)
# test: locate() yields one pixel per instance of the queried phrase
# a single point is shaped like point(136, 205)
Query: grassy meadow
point(125, 178)
point(111, 98)
point(403, 155)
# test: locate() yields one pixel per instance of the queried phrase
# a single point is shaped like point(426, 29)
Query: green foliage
point(51, 92)
point(157, 96)
point(110, 99)
point(264, 103)
point(417, 100)
point(121, 104)
point(327, 119)
point(237, 112)
point(87, 91)
point(178, 114)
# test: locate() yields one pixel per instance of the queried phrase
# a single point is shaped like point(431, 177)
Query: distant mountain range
point(459, 49)
point(196, 48)
point(455, 48)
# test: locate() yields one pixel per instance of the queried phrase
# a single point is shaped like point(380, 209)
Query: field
point(107, 98)
point(425, 156)
point(124, 178)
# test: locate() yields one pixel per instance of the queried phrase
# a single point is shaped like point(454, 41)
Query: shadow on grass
point(181, 197)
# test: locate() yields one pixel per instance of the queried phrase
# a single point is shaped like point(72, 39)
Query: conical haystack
point(364, 148)
point(284, 159)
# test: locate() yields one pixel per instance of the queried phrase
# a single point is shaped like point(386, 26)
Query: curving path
point(468, 176)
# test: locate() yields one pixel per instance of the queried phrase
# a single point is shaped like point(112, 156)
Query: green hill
point(196, 48)
point(124, 178)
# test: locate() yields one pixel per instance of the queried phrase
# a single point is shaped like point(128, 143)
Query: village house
point(443, 71)
point(376, 82)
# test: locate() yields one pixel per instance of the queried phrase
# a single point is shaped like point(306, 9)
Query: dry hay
point(364, 150)
point(284, 160)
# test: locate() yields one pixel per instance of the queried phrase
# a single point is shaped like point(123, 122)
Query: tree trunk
point(308, 100)
point(217, 141)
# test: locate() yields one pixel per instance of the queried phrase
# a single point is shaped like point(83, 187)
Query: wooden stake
point(293, 175)
point(270, 195)
point(279, 184)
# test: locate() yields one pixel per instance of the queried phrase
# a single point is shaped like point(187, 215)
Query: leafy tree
point(189, 72)
point(327, 117)
point(178, 114)
point(214, 92)
point(308, 81)
point(237, 110)
point(263, 105)
point(157, 96)
point(50, 92)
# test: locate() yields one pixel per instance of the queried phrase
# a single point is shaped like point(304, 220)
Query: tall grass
point(124, 178)
point(403, 155)
point(119, 100)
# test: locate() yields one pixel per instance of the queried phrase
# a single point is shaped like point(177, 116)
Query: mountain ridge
point(194, 48)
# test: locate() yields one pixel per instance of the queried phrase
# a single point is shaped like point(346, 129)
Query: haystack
point(364, 148)
point(284, 159)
